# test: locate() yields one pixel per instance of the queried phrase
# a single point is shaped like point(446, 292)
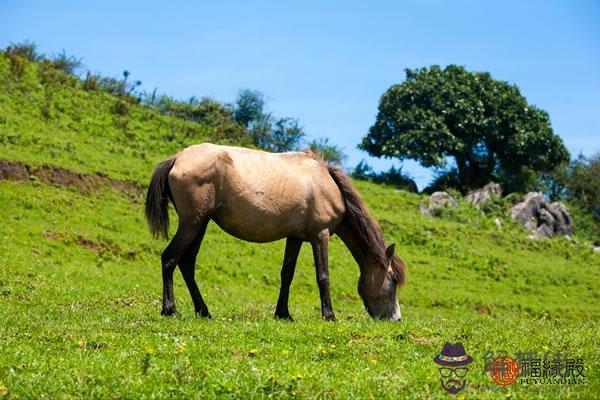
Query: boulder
point(425, 210)
point(541, 218)
point(441, 199)
point(479, 196)
point(438, 200)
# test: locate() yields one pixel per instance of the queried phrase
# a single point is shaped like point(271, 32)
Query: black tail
point(157, 199)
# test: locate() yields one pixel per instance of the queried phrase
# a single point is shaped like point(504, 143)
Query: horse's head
point(377, 286)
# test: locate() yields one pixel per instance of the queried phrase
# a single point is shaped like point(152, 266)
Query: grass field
point(80, 284)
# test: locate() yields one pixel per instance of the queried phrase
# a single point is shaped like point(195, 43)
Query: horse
point(258, 196)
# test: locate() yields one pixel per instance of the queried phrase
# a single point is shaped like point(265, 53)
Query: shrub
point(68, 64)
point(394, 176)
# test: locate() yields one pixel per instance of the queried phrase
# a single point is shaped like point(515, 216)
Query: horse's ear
point(389, 252)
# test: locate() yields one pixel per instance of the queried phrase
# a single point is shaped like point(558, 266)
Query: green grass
point(80, 285)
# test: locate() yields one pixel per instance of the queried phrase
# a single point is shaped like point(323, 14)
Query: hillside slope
point(80, 280)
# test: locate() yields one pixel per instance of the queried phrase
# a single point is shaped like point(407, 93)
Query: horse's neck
point(357, 247)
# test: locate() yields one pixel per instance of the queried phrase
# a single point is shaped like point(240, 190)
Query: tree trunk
point(464, 172)
point(491, 162)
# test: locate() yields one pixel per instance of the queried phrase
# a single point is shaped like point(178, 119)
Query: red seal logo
point(504, 371)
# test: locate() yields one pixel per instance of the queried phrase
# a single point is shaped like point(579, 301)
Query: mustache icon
point(453, 386)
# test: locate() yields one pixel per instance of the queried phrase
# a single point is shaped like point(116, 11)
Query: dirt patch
point(13, 171)
point(87, 243)
point(84, 183)
point(104, 247)
point(54, 235)
point(421, 339)
point(485, 310)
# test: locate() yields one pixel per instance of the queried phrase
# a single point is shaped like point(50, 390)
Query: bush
point(68, 64)
point(114, 86)
point(26, 50)
point(394, 177)
point(443, 181)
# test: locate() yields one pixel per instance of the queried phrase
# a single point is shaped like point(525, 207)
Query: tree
point(329, 151)
point(249, 107)
point(555, 183)
point(584, 183)
point(278, 135)
point(485, 126)
point(286, 134)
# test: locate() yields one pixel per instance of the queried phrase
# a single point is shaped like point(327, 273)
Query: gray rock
point(527, 208)
point(437, 200)
point(597, 249)
point(541, 218)
point(425, 211)
point(563, 223)
point(479, 196)
point(440, 200)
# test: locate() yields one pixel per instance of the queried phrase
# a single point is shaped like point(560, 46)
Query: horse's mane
point(363, 224)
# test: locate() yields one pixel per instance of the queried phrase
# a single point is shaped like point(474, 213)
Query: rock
point(563, 223)
point(437, 200)
point(440, 200)
point(425, 211)
point(527, 208)
point(541, 218)
point(597, 249)
point(479, 196)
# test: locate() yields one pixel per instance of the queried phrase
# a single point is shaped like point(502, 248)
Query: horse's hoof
point(329, 317)
point(203, 314)
point(284, 317)
point(169, 312)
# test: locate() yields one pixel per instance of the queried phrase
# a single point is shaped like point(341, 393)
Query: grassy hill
point(80, 279)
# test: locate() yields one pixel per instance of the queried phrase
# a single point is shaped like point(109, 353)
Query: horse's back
point(259, 196)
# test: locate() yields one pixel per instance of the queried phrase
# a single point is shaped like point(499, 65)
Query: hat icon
point(453, 355)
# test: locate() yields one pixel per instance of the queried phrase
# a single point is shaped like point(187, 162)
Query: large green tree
point(486, 126)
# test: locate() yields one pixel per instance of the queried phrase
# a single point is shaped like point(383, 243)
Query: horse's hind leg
point(170, 257)
point(187, 266)
point(292, 248)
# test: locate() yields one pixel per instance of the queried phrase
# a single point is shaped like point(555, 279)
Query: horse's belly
point(253, 223)
point(259, 225)
point(250, 234)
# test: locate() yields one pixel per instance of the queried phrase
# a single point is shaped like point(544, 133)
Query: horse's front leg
point(319, 246)
point(292, 249)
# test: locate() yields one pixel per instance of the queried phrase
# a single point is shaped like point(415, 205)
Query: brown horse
point(262, 197)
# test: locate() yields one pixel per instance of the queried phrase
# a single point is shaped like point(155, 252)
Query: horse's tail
point(157, 199)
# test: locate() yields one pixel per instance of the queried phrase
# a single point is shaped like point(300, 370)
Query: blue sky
point(327, 63)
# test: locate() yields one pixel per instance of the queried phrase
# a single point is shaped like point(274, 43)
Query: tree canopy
point(486, 126)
